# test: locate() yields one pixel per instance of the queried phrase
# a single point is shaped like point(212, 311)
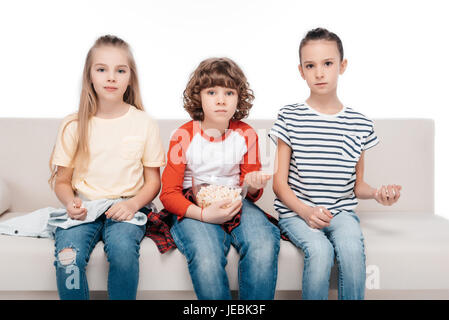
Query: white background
point(397, 52)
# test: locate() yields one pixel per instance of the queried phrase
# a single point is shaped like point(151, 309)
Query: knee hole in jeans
point(67, 256)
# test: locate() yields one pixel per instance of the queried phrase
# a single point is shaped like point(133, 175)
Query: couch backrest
point(404, 156)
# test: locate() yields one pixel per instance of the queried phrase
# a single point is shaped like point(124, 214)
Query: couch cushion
point(410, 250)
point(404, 251)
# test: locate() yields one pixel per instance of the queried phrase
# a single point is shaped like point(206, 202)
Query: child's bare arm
point(150, 189)
point(63, 185)
point(318, 217)
point(362, 190)
point(386, 195)
point(217, 213)
point(65, 194)
point(256, 180)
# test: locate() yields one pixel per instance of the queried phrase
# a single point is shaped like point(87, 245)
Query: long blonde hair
point(88, 103)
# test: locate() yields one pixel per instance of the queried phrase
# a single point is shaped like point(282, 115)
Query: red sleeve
point(251, 159)
point(171, 196)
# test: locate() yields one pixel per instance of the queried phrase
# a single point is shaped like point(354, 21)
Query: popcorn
point(214, 193)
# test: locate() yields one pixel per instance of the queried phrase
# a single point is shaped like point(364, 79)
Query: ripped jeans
point(122, 246)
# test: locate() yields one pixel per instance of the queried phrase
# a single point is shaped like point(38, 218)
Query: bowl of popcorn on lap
point(207, 190)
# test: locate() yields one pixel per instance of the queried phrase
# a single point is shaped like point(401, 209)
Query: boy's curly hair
point(222, 72)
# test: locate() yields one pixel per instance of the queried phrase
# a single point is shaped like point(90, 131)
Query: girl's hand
point(75, 210)
point(257, 179)
point(318, 217)
point(221, 211)
point(388, 195)
point(121, 211)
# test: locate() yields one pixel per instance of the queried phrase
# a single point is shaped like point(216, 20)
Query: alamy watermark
point(372, 277)
point(73, 280)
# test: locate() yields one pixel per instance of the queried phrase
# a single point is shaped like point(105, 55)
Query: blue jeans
point(122, 246)
point(342, 239)
point(206, 246)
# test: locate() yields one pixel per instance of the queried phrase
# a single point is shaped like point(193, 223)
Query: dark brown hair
point(222, 72)
point(321, 34)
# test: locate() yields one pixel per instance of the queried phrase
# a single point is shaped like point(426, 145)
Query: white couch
point(407, 245)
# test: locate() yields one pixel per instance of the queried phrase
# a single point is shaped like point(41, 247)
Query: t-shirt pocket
point(131, 147)
point(351, 147)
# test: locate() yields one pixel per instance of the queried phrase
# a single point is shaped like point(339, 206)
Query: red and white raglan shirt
point(192, 153)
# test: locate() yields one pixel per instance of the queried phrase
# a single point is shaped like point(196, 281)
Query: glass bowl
point(207, 191)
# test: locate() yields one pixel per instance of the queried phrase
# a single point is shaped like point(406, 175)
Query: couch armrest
point(5, 197)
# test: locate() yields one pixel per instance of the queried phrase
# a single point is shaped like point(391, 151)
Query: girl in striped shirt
point(320, 155)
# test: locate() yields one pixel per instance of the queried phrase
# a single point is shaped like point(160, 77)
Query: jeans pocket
point(351, 147)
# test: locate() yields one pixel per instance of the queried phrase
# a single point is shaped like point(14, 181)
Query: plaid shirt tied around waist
point(159, 224)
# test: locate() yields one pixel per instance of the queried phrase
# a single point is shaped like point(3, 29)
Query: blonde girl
point(109, 149)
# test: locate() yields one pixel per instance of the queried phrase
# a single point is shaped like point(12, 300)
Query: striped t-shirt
point(325, 151)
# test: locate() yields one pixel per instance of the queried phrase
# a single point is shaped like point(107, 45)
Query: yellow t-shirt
point(119, 149)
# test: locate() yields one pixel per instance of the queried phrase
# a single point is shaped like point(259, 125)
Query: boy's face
point(320, 66)
point(219, 103)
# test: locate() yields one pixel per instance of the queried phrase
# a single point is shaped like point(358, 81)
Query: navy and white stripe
point(325, 151)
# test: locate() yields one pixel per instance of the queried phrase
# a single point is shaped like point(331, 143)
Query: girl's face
point(110, 73)
point(321, 66)
point(219, 104)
